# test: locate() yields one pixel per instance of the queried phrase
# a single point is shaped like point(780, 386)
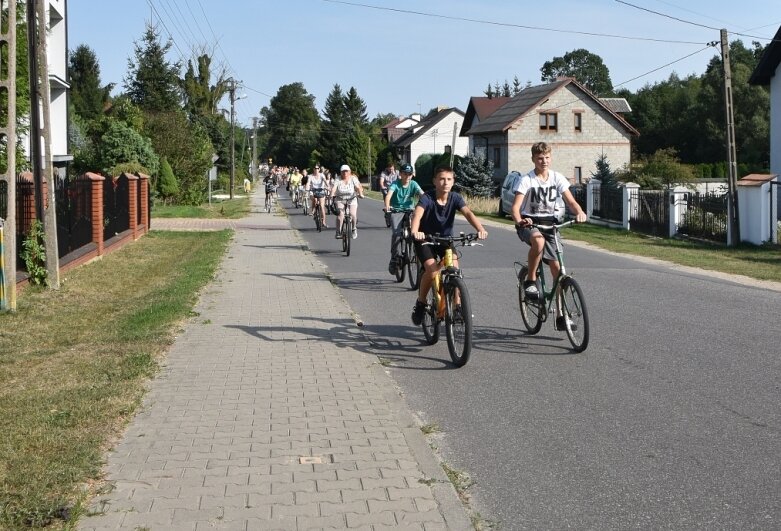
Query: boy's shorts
point(549, 249)
point(424, 252)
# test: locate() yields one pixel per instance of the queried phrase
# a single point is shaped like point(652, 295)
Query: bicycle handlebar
point(467, 240)
point(393, 210)
point(554, 226)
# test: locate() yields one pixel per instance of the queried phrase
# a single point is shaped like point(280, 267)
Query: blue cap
point(406, 168)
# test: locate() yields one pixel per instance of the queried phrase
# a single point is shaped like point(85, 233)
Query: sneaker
point(392, 266)
point(530, 290)
point(417, 312)
point(338, 235)
point(562, 322)
point(355, 233)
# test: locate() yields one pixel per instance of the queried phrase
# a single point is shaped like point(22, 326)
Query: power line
point(509, 25)
point(170, 35)
point(710, 45)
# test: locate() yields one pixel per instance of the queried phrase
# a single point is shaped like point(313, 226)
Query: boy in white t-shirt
point(538, 195)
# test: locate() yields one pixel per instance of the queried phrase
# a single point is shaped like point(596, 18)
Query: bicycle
point(348, 225)
point(296, 197)
point(448, 301)
point(316, 213)
point(305, 202)
point(406, 258)
point(565, 292)
point(271, 191)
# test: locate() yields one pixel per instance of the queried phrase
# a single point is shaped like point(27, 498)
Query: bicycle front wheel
point(573, 307)
point(458, 322)
point(400, 262)
point(430, 323)
point(413, 271)
point(306, 206)
point(347, 235)
point(318, 219)
point(532, 311)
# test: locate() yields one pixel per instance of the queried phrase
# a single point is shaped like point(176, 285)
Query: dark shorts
point(425, 252)
point(549, 250)
point(318, 192)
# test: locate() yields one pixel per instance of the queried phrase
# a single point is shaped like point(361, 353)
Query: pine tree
point(474, 176)
point(335, 128)
point(506, 89)
point(152, 82)
point(86, 93)
point(605, 175)
point(167, 185)
point(355, 108)
point(516, 86)
point(489, 92)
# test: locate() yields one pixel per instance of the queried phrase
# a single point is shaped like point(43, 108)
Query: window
point(548, 121)
point(578, 175)
point(578, 122)
point(497, 157)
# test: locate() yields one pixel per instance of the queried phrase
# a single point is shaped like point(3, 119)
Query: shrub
point(474, 176)
point(34, 254)
point(167, 186)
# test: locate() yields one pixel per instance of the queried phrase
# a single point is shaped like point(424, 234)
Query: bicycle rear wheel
point(573, 306)
point(413, 271)
point(400, 261)
point(430, 323)
point(306, 206)
point(458, 322)
point(532, 312)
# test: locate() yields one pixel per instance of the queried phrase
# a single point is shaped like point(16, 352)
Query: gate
point(649, 212)
point(115, 207)
point(705, 216)
point(609, 204)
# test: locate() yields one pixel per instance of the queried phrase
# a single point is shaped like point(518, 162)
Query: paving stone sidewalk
point(268, 414)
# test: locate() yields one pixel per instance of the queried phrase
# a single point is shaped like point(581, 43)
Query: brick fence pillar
point(132, 207)
point(143, 181)
point(96, 205)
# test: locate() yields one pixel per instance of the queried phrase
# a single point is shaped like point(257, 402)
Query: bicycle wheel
point(400, 261)
point(413, 271)
point(306, 206)
point(318, 218)
point(532, 312)
point(458, 322)
point(347, 235)
point(573, 306)
point(430, 323)
point(268, 204)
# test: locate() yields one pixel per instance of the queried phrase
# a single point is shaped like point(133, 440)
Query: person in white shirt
point(317, 187)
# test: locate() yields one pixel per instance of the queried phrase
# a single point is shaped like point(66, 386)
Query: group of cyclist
point(538, 195)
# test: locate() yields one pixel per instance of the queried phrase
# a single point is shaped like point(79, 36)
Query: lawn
point(235, 208)
point(73, 364)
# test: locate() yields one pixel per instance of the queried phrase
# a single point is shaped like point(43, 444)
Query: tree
point(122, 144)
point(355, 109)
point(474, 176)
point(200, 96)
point(334, 127)
point(293, 125)
point(604, 174)
point(663, 169)
point(87, 95)
point(489, 92)
point(586, 67)
point(167, 187)
point(506, 89)
point(516, 86)
point(152, 82)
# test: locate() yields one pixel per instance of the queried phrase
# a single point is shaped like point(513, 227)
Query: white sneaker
point(355, 233)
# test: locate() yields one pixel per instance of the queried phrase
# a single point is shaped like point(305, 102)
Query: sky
point(405, 56)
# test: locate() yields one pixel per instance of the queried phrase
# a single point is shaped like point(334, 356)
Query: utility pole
point(254, 149)
point(8, 226)
point(369, 161)
point(732, 165)
point(232, 90)
point(40, 131)
point(453, 145)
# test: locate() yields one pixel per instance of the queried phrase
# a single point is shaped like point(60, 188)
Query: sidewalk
point(267, 414)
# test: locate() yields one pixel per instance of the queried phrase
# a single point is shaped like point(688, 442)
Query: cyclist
point(271, 187)
point(401, 195)
point(295, 185)
point(435, 214)
point(317, 188)
point(343, 189)
point(388, 177)
point(538, 197)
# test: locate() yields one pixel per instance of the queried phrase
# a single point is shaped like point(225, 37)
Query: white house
point(768, 72)
point(434, 134)
point(57, 58)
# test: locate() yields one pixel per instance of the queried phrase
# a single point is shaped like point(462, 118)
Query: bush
point(122, 144)
point(474, 176)
point(167, 186)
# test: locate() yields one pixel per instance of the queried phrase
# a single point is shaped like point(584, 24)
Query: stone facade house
point(577, 124)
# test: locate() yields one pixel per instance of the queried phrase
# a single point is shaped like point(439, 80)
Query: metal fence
point(116, 194)
point(649, 212)
point(74, 214)
point(704, 216)
point(609, 204)
point(579, 193)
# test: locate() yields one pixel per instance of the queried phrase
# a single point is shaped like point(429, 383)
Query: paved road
point(670, 419)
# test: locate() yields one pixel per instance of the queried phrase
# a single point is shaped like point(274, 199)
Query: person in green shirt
point(403, 194)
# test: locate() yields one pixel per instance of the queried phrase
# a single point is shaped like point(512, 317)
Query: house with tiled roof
point(433, 134)
point(576, 123)
point(398, 126)
point(480, 108)
point(768, 73)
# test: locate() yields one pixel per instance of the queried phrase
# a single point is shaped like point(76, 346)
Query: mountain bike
point(348, 224)
point(406, 258)
point(448, 301)
point(570, 305)
point(316, 212)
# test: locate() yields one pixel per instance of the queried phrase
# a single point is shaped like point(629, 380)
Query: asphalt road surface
point(670, 419)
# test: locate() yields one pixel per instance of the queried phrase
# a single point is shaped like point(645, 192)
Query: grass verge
point(73, 364)
point(229, 208)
